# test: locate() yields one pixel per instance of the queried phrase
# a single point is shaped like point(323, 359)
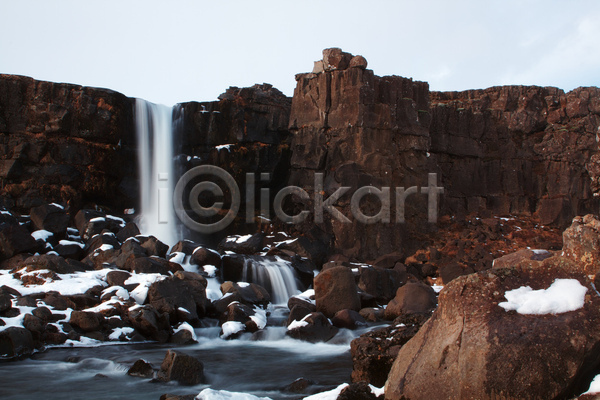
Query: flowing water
point(277, 276)
point(261, 365)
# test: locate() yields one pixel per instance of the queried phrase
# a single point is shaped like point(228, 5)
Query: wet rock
point(335, 290)
point(180, 367)
point(185, 246)
point(141, 369)
point(371, 314)
point(348, 319)
point(248, 244)
point(246, 293)
point(300, 385)
point(298, 312)
point(470, 346)
point(240, 313)
point(50, 217)
point(172, 294)
point(182, 337)
point(313, 328)
point(16, 342)
point(412, 298)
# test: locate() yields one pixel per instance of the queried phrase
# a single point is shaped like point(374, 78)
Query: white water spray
point(154, 126)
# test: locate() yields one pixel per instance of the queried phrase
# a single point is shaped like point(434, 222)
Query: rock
point(249, 294)
point(128, 231)
point(50, 217)
point(248, 244)
point(153, 246)
point(90, 223)
point(5, 300)
point(168, 396)
point(374, 352)
point(240, 313)
point(191, 276)
point(151, 265)
point(172, 294)
point(70, 250)
point(357, 391)
point(336, 290)
point(380, 283)
point(185, 246)
point(298, 312)
point(58, 301)
point(202, 256)
point(348, 319)
point(299, 386)
point(581, 242)
point(182, 368)
point(412, 298)
point(371, 314)
point(141, 369)
point(313, 328)
point(53, 263)
point(101, 242)
point(300, 301)
point(150, 323)
point(182, 337)
point(43, 313)
point(15, 239)
point(335, 59)
point(117, 278)
point(513, 259)
point(86, 321)
point(470, 346)
point(358, 62)
point(16, 342)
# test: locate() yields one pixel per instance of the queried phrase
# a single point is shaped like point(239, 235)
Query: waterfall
point(154, 129)
point(276, 276)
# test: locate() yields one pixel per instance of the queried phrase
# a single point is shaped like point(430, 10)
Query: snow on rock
point(42, 234)
point(144, 281)
point(259, 317)
point(306, 296)
point(67, 285)
point(238, 239)
point(329, 395)
point(211, 270)
point(298, 324)
point(187, 327)
point(231, 328)
point(118, 291)
point(211, 394)
point(594, 386)
point(117, 332)
point(562, 296)
point(224, 146)
point(71, 242)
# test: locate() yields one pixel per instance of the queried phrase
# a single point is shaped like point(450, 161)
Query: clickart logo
point(200, 183)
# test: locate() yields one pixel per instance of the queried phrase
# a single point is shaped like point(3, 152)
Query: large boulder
point(335, 290)
point(315, 327)
point(581, 242)
point(15, 239)
point(472, 347)
point(412, 298)
point(15, 342)
point(180, 367)
point(50, 217)
point(183, 300)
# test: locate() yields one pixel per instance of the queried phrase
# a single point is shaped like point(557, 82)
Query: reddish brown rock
point(412, 298)
point(581, 243)
point(180, 367)
point(336, 290)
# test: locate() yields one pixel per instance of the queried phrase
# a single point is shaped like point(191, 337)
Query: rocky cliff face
point(65, 143)
point(504, 150)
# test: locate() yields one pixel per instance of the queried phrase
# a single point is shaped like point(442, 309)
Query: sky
point(176, 51)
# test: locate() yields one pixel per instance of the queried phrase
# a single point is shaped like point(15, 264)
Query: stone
point(117, 278)
point(380, 283)
point(249, 244)
point(86, 321)
point(153, 246)
point(357, 391)
point(250, 294)
point(151, 265)
point(523, 255)
point(141, 369)
point(181, 367)
point(358, 62)
point(581, 242)
point(315, 328)
point(298, 312)
point(412, 298)
point(348, 319)
point(202, 256)
point(171, 294)
point(128, 231)
point(58, 301)
point(50, 217)
point(150, 323)
point(53, 263)
point(16, 342)
point(15, 239)
point(470, 346)
point(335, 59)
point(335, 290)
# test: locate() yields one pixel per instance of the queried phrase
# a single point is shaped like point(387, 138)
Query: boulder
point(202, 256)
point(581, 242)
point(86, 321)
point(523, 255)
point(315, 327)
point(298, 312)
point(472, 347)
point(90, 223)
point(380, 283)
point(241, 313)
point(358, 62)
point(182, 300)
point(50, 217)
point(357, 391)
point(348, 319)
point(412, 298)
point(117, 278)
point(141, 369)
point(54, 263)
point(248, 244)
point(153, 325)
point(128, 231)
point(335, 290)
point(335, 59)
point(151, 265)
point(153, 246)
point(16, 342)
point(101, 242)
point(185, 246)
point(246, 293)
point(180, 367)
point(15, 239)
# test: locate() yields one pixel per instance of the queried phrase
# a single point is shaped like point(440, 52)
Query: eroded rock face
point(472, 348)
point(581, 243)
point(62, 142)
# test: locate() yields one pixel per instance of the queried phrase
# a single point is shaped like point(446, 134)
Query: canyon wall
point(502, 150)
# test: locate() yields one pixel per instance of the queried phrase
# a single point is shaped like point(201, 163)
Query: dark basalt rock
point(182, 368)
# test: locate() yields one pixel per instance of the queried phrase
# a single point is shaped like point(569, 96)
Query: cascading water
point(154, 126)
point(277, 276)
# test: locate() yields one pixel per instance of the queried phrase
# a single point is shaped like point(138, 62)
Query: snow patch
point(594, 386)
point(211, 394)
point(42, 235)
point(562, 296)
point(231, 328)
point(329, 395)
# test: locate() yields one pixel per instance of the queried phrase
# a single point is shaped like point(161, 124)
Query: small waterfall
point(154, 129)
point(277, 276)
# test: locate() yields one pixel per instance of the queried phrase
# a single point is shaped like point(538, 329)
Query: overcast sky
point(175, 51)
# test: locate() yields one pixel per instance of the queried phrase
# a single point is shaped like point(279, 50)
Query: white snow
point(177, 257)
point(562, 296)
point(297, 324)
point(306, 296)
point(438, 288)
point(144, 280)
point(243, 284)
point(211, 270)
point(57, 206)
point(117, 332)
point(211, 394)
point(42, 235)
point(594, 386)
point(329, 395)
point(118, 291)
point(98, 219)
point(238, 239)
point(224, 146)
point(121, 221)
point(105, 247)
point(71, 242)
point(69, 284)
point(107, 305)
point(187, 327)
point(231, 328)
point(129, 211)
point(259, 317)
